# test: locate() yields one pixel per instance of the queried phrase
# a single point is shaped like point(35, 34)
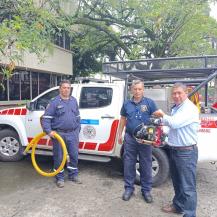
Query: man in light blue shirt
point(182, 141)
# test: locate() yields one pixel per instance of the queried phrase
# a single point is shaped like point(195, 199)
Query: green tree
point(132, 29)
point(112, 29)
point(26, 25)
point(153, 28)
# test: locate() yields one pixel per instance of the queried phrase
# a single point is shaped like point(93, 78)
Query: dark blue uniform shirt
point(61, 115)
point(137, 113)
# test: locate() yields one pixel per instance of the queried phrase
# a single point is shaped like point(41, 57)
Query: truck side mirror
point(30, 106)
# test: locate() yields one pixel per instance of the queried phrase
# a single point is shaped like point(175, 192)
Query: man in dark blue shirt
point(134, 112)
point(62, 116)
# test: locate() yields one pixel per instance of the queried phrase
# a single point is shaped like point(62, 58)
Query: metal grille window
point(35, 84)
point(44, 82)
point(15, 87)
point(3, 89)
point(25, 85)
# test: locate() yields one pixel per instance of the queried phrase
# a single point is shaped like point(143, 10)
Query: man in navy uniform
point(134, 112)
point(62, 116)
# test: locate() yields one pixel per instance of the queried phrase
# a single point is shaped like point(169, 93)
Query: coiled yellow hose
point(33, 145)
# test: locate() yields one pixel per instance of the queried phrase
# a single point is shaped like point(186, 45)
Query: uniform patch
point(144, 108)
point(89, 132)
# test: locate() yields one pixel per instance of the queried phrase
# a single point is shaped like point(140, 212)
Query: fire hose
point(33, 145)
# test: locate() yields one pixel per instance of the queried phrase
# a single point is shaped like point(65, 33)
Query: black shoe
point(60, 183)
point(127, 195)
point(75, 179)
point(147, 197)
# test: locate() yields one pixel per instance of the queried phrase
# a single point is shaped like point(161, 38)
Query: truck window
point(43, 101)
point(95, 97)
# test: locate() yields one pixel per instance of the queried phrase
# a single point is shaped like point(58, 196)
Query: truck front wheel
point(10, 146)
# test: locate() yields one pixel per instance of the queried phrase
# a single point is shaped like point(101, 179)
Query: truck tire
point(160, 167)
point(10, 146)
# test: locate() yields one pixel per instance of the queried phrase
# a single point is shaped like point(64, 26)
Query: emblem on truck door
point(89, 132)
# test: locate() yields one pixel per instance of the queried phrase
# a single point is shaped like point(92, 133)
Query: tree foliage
point(109, 29)
point(148, 29)
point(26, 25)
point(132, 29)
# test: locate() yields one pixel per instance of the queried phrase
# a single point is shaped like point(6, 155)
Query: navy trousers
point(132, 150)
point(72, 142)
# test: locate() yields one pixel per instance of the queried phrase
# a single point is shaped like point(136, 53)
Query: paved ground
point(24, 193)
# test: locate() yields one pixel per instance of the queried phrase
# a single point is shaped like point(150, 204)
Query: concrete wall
point(59, 61)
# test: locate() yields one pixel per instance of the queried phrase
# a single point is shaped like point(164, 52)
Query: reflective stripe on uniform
point(50, 117)
point(60, 171)
point(72, 168)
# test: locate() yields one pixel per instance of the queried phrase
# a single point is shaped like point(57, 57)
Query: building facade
point(32, 77)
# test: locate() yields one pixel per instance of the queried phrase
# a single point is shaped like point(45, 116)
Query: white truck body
point(99, 123)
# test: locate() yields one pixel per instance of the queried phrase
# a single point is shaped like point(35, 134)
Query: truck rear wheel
point(10, 146)
point(160, 167)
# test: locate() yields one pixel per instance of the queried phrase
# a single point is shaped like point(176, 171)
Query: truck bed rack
point(172, 68)
point(193, 70)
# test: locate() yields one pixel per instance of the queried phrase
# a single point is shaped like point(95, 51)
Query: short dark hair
point(64, 82)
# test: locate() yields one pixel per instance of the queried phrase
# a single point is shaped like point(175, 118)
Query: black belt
point(190, 147)
point(64, 131)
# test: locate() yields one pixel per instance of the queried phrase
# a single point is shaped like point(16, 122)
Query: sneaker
point(60, 183)
point(75, 179)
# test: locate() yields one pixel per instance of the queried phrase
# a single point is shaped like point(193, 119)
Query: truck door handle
point(108, 116)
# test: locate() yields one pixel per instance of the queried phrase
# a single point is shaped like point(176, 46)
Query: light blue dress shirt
point(183, 124)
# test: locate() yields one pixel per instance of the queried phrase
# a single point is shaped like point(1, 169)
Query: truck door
point(99, 109)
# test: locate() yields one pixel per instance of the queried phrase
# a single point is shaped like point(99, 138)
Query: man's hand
point(159, 113)
point(51, 134)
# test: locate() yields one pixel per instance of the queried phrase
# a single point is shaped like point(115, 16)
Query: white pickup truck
point(99, 105)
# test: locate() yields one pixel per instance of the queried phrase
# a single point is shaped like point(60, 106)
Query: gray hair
point(64, 82)
point(180, 85)
point(135, 82)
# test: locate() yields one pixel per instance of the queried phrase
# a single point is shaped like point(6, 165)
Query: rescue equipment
point(151, 134)
point(33, 145)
